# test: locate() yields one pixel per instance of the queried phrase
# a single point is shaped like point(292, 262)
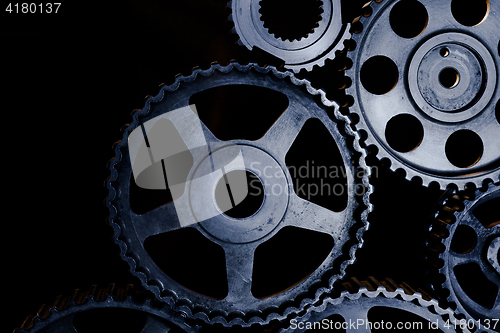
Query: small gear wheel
point(465, 237)
point(373, 305)
point(301, 33)
point(110, 309)
point(425, 81)
point(202, 210)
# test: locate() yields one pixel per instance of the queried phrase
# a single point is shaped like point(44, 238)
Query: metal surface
point(354, 307)
point(484, 252)
point(240, 306)
point(441, 109)
point(312, 50)
point(59, 317)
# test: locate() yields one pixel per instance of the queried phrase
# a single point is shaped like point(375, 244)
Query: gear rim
point(313, 50)
point(440, 170)
point(159, 316)
point(215, 314)
point(373, 293)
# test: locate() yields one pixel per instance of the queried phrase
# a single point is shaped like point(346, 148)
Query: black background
point(70, 81)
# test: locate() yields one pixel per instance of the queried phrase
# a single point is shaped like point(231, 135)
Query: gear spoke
point(490, 273)
point(353, 317)
point(457, 259)
point(280, 137)
point(239, 266)
point(160, 220)
point(474, 223)
point(308, 215)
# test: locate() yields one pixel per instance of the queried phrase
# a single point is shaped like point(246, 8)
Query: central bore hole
point(239, 194)
point(291, 19)
point(449, 77)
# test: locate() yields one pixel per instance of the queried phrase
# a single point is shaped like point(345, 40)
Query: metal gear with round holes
point(61, 316)
point(463, 237)
point(354, 306)
point(304, 53)
point(426, 87)
point(237, 240)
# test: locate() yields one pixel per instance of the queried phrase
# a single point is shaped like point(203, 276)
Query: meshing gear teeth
point(312, 50)
point(240, 307)
point(441, 133)
point(360, 297)
point(455, 223)
point(59, 316)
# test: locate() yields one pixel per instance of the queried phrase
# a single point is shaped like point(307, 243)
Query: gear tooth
point(424, 294)
point(57, 302)
point(389, 284)
point(407, 289)
point(73, 298)
point(349, 287)
point(113, 146)
point(111, 289)
point(44, 311)
point(371, 284)
point(28, 323)
point(82, 298)
point(353, 285)
point(101, 294)
point(129, 290)
point(124, 128)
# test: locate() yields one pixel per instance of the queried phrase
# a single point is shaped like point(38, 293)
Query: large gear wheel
point(426, 87)
point(362, 299)
point(238, 240)
point(318, 42)
point(466, 238)
point(115, 304)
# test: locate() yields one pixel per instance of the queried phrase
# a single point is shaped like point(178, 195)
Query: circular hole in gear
point(379, 75)
point(404, 133)
point(290, 19)
point(234, 199)
point(444, 52)
point(470, 12)
point(408, 18)
point(449, 77)
point(464, 240)
point(464, 148)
